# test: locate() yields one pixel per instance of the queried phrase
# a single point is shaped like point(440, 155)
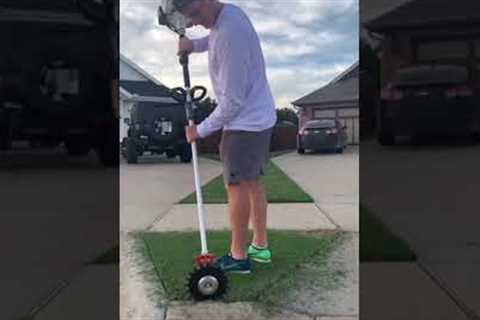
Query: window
point(59, 82)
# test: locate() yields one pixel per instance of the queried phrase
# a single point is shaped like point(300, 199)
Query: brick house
point(428, 32)
point(338, 99)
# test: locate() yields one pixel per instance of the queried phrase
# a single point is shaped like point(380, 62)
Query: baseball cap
point(181, 4)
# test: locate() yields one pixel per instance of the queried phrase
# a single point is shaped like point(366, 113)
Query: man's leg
point(258, 216)
point(239, 211)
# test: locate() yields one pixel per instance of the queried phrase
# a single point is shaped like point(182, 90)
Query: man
point(245, 112)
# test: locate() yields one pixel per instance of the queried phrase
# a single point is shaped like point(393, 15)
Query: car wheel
point(186, 154)
point(108, 149)
point(386, 138)
point(132, 153)
point(301, 151)
point(5, 143)
point(339, 150)
point(170, 154)
point(385, 134)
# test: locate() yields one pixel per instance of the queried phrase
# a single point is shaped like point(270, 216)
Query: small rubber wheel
point(207, 283)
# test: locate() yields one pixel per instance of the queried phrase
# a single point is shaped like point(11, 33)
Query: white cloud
point(290, 84)
point(306, 43)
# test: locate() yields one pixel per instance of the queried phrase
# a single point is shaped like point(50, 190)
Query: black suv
point(58, 67)
point(157, 128)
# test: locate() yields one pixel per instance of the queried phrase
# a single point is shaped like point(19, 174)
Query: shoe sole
point(261, 260)
point(239, 271)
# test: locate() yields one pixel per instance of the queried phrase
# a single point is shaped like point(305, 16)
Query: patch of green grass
point(279, 188)
point(172, 254)
point(377, 243)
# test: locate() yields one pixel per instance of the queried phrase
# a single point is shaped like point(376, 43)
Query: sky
point(306, 43)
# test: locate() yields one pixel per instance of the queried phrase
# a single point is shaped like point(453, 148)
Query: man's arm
point(233, 60)
point(200, 45)
point(187, 45)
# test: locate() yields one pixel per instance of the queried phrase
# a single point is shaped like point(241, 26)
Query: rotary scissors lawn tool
point(206, 281)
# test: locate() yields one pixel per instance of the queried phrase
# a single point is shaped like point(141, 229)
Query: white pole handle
point(198, 190)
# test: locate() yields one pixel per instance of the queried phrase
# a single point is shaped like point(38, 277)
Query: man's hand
point(185, 45)
point(191, 133)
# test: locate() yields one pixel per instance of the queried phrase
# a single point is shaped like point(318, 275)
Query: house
point(137, 86)
point(428, 31)
point(418, 32)
point(370, 51)
point(370, 10)
point(338, 99)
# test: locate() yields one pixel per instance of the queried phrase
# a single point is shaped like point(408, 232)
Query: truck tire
point(132, 153)
point(109, 147)
point(186, 154)
point(5, 143)
point(77, 146)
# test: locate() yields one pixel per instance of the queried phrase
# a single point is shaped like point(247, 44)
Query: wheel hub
point(208, 285)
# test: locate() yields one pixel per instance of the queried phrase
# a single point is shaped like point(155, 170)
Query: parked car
point(157, 128)
point(325, 134)
point(428, 100)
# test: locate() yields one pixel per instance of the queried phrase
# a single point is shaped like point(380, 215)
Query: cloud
point(306, 43)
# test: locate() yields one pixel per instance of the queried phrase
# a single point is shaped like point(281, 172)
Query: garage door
point(353, 131)
point(348, 117)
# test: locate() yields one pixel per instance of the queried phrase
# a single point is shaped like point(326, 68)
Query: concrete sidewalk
point(281, 216)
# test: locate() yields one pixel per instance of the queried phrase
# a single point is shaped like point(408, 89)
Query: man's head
point(200, 12)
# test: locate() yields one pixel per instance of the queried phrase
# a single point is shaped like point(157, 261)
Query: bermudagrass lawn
point(279, 187)
point(377, 243)
point(172, 254)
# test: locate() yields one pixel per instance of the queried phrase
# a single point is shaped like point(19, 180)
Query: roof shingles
point(344, 90)
point(427, 13)
point(145, 88)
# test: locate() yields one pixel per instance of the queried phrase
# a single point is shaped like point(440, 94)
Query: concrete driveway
point(428, 195)
point(150, 188)
point(57, 213)
point(332, 181)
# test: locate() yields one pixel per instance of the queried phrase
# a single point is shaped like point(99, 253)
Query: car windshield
point(320, 124)
point(422, 75)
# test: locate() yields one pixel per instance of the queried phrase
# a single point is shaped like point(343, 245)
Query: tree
point(287, 114)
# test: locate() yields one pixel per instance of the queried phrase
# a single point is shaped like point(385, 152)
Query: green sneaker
point(228, 264)
point(259, 255)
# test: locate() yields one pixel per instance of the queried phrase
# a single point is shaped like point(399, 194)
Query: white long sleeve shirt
point(237, 71)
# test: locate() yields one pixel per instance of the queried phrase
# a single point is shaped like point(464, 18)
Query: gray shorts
point(244, 154)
